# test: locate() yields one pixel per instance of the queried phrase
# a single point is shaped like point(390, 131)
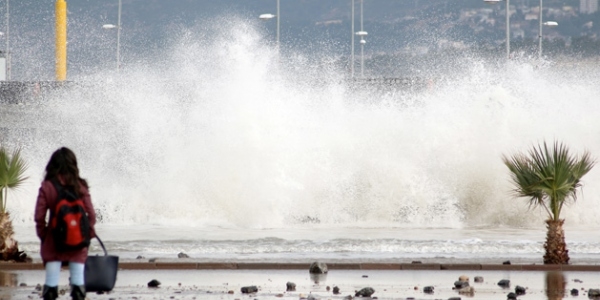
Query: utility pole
point(61, 40)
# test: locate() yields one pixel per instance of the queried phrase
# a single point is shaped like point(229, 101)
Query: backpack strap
point(57, 186)
point(69, 195)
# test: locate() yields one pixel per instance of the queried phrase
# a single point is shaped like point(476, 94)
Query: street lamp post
point(119, 38)
point(271, 16)
point(550, 24)
point(7, 39)
point(541, 37)
point(362, 42)
point(118, 27)
point(278, 23)
point(507, 29)
point(352, 42)
point(7, 57)
point(507, 24)
point(362, 35)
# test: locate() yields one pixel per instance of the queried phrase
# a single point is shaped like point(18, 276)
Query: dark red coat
point(47, 201)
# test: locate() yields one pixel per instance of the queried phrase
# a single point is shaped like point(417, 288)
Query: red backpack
point(70, 225)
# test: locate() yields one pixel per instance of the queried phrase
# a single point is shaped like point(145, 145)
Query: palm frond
point(12, 173)
point(16, 170)
point(549, 173)
point(524, 179)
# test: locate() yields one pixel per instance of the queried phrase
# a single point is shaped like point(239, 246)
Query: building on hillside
point(588, 6)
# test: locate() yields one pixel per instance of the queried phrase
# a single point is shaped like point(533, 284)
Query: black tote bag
point(101, 271)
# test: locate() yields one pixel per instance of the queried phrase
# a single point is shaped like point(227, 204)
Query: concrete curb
point(7, 266)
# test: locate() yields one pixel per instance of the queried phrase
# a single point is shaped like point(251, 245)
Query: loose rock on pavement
point(365, 292)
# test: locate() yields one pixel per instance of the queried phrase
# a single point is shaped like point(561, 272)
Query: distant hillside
point(306, 25)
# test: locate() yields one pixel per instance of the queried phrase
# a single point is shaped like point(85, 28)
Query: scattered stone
point(416, 288)
point(574, 292)
point(38, 287)
point(349, 297)
point(460, 284)
point(318, 268)
point(428, 290)
point(62, 291)
point(577, 280)
point(153, 283)
point(467, 291)
point(505, 283)
point(182, 255)
point(416, 262)
point(328, 288)
point(140, 257)
point(594, 293)
point(336, 290)
point(249, 289)
point(152, 260)
point(279, 295)
point(454, 298)
point(519, 290)
point(365, 292)
point(506, 262)
point(22, 284)
point(290, 286)
point(478, 279)
point(311, 297)
point(231, 292)
point(464, 278)
point(511, 296)
point(410, 298)
point(365, 276)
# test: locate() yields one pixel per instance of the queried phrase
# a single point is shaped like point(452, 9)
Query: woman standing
point(62, 173)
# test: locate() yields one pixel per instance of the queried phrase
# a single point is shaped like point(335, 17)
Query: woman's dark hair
point(63, 163)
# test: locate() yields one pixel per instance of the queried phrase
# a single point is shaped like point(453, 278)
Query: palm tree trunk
point(9, 248)
point(555, 246)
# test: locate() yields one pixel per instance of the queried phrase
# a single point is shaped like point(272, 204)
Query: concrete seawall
point(8, 266)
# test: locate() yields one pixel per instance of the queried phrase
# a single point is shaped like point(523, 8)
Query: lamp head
point(266, 16)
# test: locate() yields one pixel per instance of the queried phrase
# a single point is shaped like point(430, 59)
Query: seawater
point(226, 149)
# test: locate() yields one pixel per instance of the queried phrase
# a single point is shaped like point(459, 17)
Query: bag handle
point(102, 244)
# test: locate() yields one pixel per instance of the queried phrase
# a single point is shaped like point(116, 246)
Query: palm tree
point(549, 178)
point(12, 175)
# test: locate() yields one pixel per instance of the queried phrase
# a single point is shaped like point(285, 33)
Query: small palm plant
point(12, 176)
point(549, 177)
